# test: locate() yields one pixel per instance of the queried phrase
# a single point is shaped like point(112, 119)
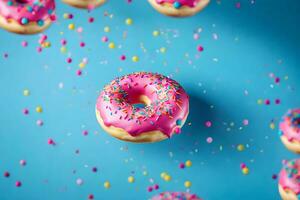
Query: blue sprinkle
point(24, 20)
point(280, 133)
point(178, 122)
point(9, 3)
point(40, 22)
point(177, 4)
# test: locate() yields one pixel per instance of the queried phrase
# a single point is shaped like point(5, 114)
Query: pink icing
point(28, 10)
point(190, 3)
point(289, 177)
point(169, 104)
point(290, 125)
point(175, 196)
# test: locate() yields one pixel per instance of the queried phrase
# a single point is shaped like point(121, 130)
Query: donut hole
point(141, 101)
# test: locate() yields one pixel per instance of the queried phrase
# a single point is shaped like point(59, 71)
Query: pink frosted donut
point(289, 180)
point(290, 130)
point(179, 8)
point(26, 16)
point(166, 107)
point(175, 196)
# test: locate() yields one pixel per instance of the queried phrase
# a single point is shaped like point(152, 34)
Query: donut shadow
point(195, 133)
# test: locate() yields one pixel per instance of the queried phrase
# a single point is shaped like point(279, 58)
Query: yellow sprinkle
point(187, 184)
point(26, 92)
point(272, 126)
point(39, 109)
point(163, 49)
point(240, 147)
point(65, 15)
point(106, 184)
point(111, 45)
point(245, 170)
point(145, 173)
point(106, 29)
point(163, 174)
point(63, 49)
point(71, 26)
point(259, 101)
point(135, 59)
point(130, 179)
point(156, 33)
point(167, 177)
point(128, 21)
point(188, 163)
point(81, 65)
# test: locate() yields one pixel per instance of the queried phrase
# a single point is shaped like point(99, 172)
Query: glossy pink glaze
point(175, 196)
point(289, 177)
point(290, 125)
point(32, 10)
point(169, 104)
point(190, 3)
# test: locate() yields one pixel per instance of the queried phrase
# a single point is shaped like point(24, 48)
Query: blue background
point(224, 82)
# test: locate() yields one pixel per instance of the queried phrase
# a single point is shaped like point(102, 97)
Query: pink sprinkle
point(149, 189)
point(18, 183)
point(79, 72)
point(122, 57)
point(39, 49)
point(277, 80)
point(69, 60)
point(23, 162)
point(82, 44)
point(70, 16)
point(181, 166)
point(39, 122)
point(209, 140)
point(85, 132)
point(243, 165)
point(245, 122)
point(91, 196)
point(238, 5)
point(267, 102)
point(51, 142)
point(156, 187)
point(6, 174)
point(200, 48)
point(196, 36)
point(104, 39)
point(63, 42)
point(208, 124)
point(25, 111)
point(277, 101)
point(80, 30)
point(91, 19)
point(24, 44)
point(177, 130)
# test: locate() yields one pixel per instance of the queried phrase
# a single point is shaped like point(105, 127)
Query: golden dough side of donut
point(121, 134)
point(184, 11)
point(293, 146)
point(84, 3)
point(287, 194)
point(12, 25)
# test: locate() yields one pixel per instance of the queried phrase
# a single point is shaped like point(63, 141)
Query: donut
point(179, 8)
point(289, 180)
point(142, 107)
point(85, 4)
point(26, 16)
point(175, 196)
point(290, 130)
